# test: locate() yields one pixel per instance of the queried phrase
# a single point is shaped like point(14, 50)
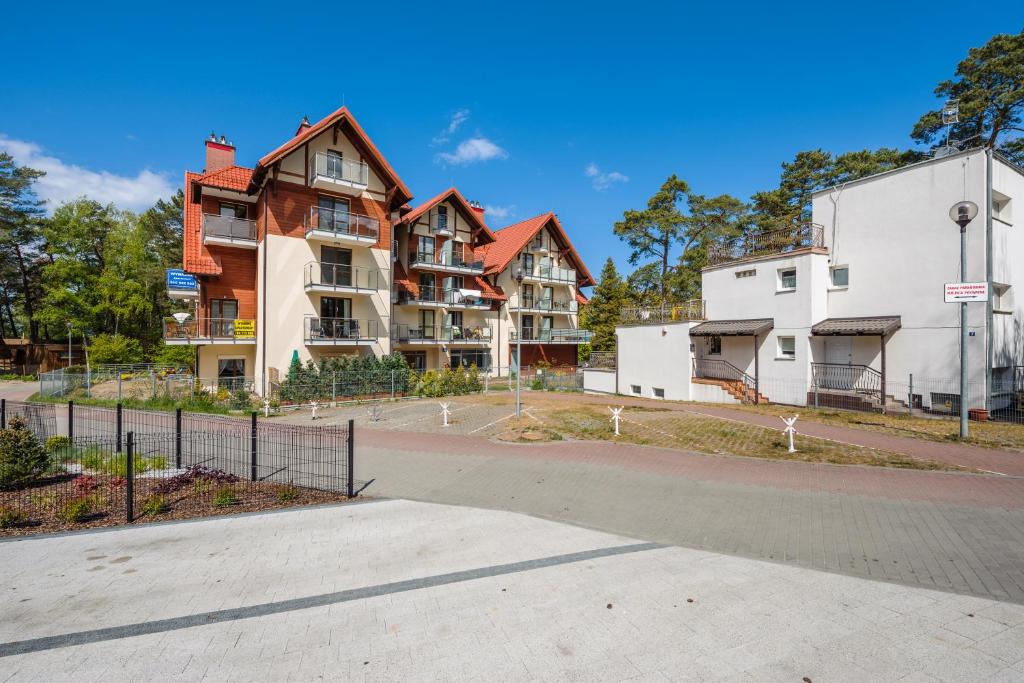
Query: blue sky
point(581, 109)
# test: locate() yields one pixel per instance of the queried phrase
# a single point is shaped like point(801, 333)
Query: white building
point(845, 310)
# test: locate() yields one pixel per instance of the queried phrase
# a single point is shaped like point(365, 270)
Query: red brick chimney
point(303, 126)
point(219, 153)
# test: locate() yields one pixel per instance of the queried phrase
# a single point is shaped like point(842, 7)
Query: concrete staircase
point(734, 387)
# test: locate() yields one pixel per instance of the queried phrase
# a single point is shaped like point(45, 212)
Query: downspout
point(263, 317)
point(989, 352)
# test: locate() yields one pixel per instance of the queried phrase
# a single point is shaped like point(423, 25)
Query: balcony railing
point(342, 224)
point(234, 329)
point(454, 297)
point(339, 276)
point(441, 223)
point(340, 330)
point(553, 274)
point(548, 305)
point(557, 335)
point(444, 259)
point(860, 379)
point(801, 236)
point(657, 314)
point(336, 168)
point(228, 228)
point(455, 333)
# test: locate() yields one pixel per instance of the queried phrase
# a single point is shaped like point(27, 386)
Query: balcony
point(332, 172)
point(425, 298)
point(557, 335)
point(209, 331)
point(441, 224)
point(332, 225)
point(465, 335)
point(802, 236)
point(564, 276)
point(657, 314)
point(228, 231)
point(336, 277)
point(339, 331)
point(448, 298)
point(547, 306)
point(445, 262)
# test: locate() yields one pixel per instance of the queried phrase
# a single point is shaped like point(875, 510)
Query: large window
point(333, 214)
point(231, 373)
point(336, 266)
point(467, 358)
point(528, 264)
point(442, 218)
point(233, 210)
point(417, 360)
point(427, 324)
point(427, 287)
point(526, 325)
point(425, 249)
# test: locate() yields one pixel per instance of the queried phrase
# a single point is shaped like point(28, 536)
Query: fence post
point(910, 395)
point(334, 388)
point(3, 413)
point(252, 445)
point(129, 485)
point(351, 458)
point(815, 394)
point(71, 420)
point(177, 438)
point(117, 419)
point(119, 387)
point(392, 385)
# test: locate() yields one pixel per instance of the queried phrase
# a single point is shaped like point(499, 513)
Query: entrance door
point(838, 352)
point(427, 324)
point(333, 213)
point(547, 323)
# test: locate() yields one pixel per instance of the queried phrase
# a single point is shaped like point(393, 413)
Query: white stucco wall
point(598, 381)
point(651, 356)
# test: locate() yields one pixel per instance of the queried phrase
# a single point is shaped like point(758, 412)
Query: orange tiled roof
point(460, 201)
point(231, 178)
point(403, 281)
point(486, 290)
point(580, 299)
point(320, 126)
point(511, 239)
point(193, 258)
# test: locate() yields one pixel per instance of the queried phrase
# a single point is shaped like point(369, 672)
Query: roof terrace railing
point(666, 312)
point(800, 236)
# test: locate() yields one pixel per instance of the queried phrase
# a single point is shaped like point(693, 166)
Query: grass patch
point(161, 403)
point(99, 460)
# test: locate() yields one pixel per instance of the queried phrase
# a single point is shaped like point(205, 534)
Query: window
point(427, 285)
point(334, 165)
point(1002, 298)
point(528, 296)
point(425, 249)
point(528, 264)
point(417, 360)
point(547, 323)
point(787, 279)
point(840, 276)
point(1001, 208)
point(442, 218)
point(526, 325)
point(750, 272)
point(538, 242)
point(231, 373)
point(336, 266)
point(714, 345)
point(223, 313)
point(787, 347)
point(427, 324)
point(635, 388)
point(454, 324)
point(658, 392)
point(333, 214)
point(467, 358)
point(233, 210)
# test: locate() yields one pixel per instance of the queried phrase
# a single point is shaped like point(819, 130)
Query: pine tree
point(601, 313)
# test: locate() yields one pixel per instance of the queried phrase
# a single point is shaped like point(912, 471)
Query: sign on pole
point(959, 292)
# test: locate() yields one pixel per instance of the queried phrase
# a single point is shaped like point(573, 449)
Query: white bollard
point(615, 417)
point(445, 412)
point(314, 405)
point(790, 429)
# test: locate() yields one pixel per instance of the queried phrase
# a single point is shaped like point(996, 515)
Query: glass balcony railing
point(548, 305)
point(441, 260)
point(320, 275)
point(442, 334)
point(228, 227)
point(209, 328)
point(333, 167)
point(556, 335)
point(342, 223)
point(339, 330)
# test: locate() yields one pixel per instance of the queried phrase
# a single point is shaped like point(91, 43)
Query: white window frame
point(780, 353)
point(781, 278)
point(832, 277)
point(1002, 298)
point(1002, 208)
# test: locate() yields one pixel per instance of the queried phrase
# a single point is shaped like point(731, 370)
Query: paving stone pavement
point(645, 613)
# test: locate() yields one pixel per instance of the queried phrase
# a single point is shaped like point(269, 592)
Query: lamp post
point(963, 213)
point(519, 275)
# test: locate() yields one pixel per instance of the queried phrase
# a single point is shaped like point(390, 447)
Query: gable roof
point(460, 203)
point(343, 118)
point(193, 260)
point(230, 178)
point(511, 239)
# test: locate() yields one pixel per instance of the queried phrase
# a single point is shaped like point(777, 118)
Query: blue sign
point(179, 279)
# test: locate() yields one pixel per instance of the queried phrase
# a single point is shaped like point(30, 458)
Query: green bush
point(107, 349)
point(98, 460)
point(174, 355)
point(225, 497)
point(10, 517)
point(8, 377)
point(22, 457)
point(74, 511)
point(346, 377)
point(241, 400)
point(56, 444)
point(155, 505)
point(288, 493)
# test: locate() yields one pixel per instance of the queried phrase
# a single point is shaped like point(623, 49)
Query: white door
point(838, 352)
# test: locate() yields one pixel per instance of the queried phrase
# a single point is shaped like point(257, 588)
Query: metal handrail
point(843, 377)
point(800, 236)
point(338, 168)
point(340, 276)
point(451, 259)
point(455, 298)
point(228, 227)
point(663, 313)
point(340, 329)
point(342, 222)
point(553, 274)
point(203, 328)
point(554, 335)
point(436, 225)
point(552, 305)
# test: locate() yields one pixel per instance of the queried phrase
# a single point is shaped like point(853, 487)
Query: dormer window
point(442, 218)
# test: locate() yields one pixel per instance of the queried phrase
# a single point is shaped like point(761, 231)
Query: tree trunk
point(33, 326)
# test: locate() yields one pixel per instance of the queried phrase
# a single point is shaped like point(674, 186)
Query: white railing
point(334, 167)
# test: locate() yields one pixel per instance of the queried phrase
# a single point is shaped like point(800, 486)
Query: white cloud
point(472, 151)
point(457, 119)
point(64, 182)
point(499, 212)
point(601, 180)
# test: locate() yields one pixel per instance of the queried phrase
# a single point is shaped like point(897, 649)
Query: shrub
point(241, 400)
point(8, 377)
point(10, 517)
point(287, 493)
point(225, 497)
point(85, 484)
point(57, 444)
point(22, 457)
point(174, 355)
point(197, 475)
point(74, 511)
point(155, 505)
point(107, 349)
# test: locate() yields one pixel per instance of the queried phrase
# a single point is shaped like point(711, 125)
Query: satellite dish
point(181, 317)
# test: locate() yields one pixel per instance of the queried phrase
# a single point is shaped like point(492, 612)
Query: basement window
point(841, 276)
point(787, 348)
point(658, 392)
point(635, 388)
point(750, 272)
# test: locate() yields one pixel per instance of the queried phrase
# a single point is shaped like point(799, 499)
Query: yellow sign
point(245, 329)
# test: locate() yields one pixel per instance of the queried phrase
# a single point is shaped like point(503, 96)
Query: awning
point(849, 327)
point(733, 328)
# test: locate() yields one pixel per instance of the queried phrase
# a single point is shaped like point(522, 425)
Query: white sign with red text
point(959, 292)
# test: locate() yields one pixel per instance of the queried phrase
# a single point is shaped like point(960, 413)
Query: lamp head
point(963, 213)
point(520, 275)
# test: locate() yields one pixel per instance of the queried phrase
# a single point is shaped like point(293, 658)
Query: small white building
point(843, 311)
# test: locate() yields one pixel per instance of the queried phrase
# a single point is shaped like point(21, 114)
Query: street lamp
point(519, 276)
point(963, 213)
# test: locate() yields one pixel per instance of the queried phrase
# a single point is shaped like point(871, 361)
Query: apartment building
point(845, 310)
point(318, 251)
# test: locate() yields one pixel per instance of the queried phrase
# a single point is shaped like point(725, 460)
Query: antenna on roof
point(950, 115)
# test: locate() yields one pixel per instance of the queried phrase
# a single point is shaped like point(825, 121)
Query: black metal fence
point(115, 465)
